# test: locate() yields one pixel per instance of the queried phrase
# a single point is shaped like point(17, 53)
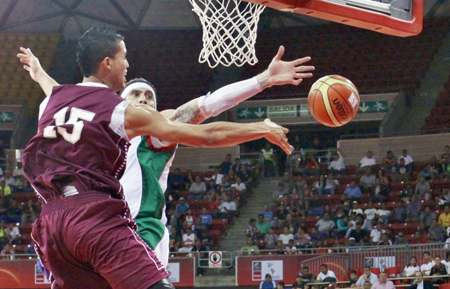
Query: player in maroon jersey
point(84, 236)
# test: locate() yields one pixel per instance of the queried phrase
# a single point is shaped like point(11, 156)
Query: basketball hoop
point(229, 31)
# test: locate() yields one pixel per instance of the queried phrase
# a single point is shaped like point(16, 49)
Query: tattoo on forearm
point(189, 114)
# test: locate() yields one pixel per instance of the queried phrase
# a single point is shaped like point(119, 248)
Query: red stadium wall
point(25, 274)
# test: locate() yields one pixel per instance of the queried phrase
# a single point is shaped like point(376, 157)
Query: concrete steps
point(262, 195)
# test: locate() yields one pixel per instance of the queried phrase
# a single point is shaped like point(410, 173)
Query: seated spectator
point(323, 186)
point(206, 218)
point(319, 236)
point(279, 216)
point(414, 208)
point(177, 181)
point(270, 239)
point(337, 165)
point(367, 181)
point(291, 224)
point(438, 269)
point(182, 206)
point(428, 216)
point(436, 232)
point(290, 248)
point(211, 186)
point(236, 167)
point(445, 168)
point(423, 189)
point(342, 225)
point(14, 212)
point(286, 181)
point(228, 209)
point(389, 162)
point(433, 170)
point(299, 284)
point(281, 285)
point(383, 283)
point(189, 219)
point(353, 279)
point(239, 185)
point(355, 210)
point(299, 207)
point(444, 217)
point(225, 166)
point(251, 231)
point(409, 162)
point(277, 194)
point(325, 224)
point(326, 275)
point(5, 189)
point(197, 189)
point(230, 179)
point(399, 214)
point(427, 264)
point(29, 212)
point(174, 240)
point(402, 171)
point(385, 241)
point(262, 225)
point(301, 239)
point(353, 191)
point(217, 177)
point(267, 213)
point(407, 192)
point(9, 179)
point(370, 212)
point(190, 179)
point(419, 238)
point(358, 233)
point(366, 162)
point(250, 248)
point(294, 196)
point(375, 234)
point(411, 269)
point(400, 239)
point(367, 276)
point(280, 247)
point(420, 282)
point(307, 276)
point(188, 241)
point(268, 283)
point(315, 206)
point(7, 253)
point(366, 223)
point(18, 170)
point(286, 236)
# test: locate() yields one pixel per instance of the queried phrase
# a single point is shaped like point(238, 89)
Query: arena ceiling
point(72, 17)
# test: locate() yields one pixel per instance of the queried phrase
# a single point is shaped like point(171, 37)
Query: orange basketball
point(333, 100)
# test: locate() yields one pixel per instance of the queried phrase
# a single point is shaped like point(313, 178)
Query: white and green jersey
point(144, 183)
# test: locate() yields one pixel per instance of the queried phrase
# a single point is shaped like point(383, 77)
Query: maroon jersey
point(81, 143)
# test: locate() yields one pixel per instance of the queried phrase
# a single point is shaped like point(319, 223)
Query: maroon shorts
point(87, 241)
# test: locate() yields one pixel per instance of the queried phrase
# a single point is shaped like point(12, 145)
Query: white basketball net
point(229, 31)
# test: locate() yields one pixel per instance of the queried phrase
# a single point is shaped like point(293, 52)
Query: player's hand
point(277, 136)
point(288, 72)
point(32, 64)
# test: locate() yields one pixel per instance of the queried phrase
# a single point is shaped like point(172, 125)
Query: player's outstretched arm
point(279, 72)
point(37, 73)
point(143, 120)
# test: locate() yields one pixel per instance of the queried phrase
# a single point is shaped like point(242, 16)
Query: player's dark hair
point(324, 265)
point(353, 271)
point(96, 44)
point(134, 80)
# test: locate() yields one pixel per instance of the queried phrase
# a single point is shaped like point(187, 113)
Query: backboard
point(394, 17)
